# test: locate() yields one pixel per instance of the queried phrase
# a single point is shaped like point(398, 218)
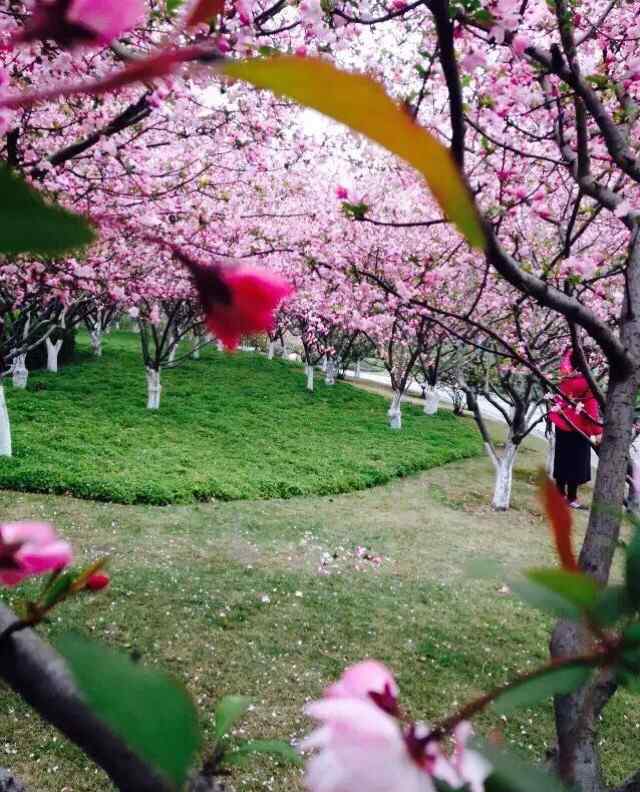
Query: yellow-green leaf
point(362, 104)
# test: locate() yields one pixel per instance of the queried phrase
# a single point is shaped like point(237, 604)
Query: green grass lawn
point(229, 427)
point(228, 597)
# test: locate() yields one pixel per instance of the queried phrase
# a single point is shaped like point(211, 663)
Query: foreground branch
point(39, 675)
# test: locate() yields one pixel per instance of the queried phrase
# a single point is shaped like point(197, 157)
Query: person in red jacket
point(576, 417)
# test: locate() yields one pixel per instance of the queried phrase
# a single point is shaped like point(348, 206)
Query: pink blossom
point(30, 548)
point(465, 767)
point(238, 300)
point(519, 44)
point(367, 680)
point(473, 59)
point(89, 22)
point(360, 747)
point(342, 193)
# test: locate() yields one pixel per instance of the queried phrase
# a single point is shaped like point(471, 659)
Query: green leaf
point(174, 5)
point(57, 590)
point(512, 774)
point(546, 600)
point(576, 587)
point(628, 668)
point(229, 710)
point(613, 603)
point(245, 749)
point(362, 104)
point(556, 680)
point(632, 576)
point(30, 225)
point(151, 712)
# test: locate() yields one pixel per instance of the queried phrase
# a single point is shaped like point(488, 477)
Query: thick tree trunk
point(310, 377)
point(271, 350)
point(330, 372)
point(154, 389)
point(357, 372)
point(20, 372)
point(576, 718)
point(503, 466)
point(5, 426)
point(395, 411)
point(53, 350)
point(431, 400)
point(95, 336)
point(633, 499)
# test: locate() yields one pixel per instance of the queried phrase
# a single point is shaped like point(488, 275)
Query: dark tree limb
point(34, 671)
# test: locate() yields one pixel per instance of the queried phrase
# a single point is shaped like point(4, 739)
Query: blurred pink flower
point(237, 301)
point(359, 747)
point(89, 22)
point(30, 548)
point(367, 680)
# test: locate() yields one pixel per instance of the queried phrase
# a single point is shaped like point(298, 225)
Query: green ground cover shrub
point(229, 427)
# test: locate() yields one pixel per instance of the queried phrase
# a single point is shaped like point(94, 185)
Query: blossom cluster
point(362, 743)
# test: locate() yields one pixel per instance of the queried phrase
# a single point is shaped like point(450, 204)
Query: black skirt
point(572, 460)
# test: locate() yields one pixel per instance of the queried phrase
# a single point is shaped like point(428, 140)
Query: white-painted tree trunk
point(310, 376)
point(551, 453)
point(357, 372)
point(154, 389)
point(323, 363)
point(219, 346)
point(395, 411)
point(503, 466)
point(95, 336)
point(330, 372)
point(195, 352)
point(431, 400)
point(20, 372)
point(285, 352)
point(5, 426)
point(53, 350)
point(271, 350)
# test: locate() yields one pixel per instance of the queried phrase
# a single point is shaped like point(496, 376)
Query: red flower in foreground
point(236, 301)
point(98, 581)
point(89, 22)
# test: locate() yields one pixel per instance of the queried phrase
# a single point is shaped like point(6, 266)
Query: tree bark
point(503, 465)
point(53, 350)
point(154, 389)
point(431, 400)
point(5, 426)
point(34, 671)
point(20, 372)
point(96, 341)
point(330, 372)
point(576, 714)
point(310, 377)
point(576, 721)
point(551, 453)
point(395, 411)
